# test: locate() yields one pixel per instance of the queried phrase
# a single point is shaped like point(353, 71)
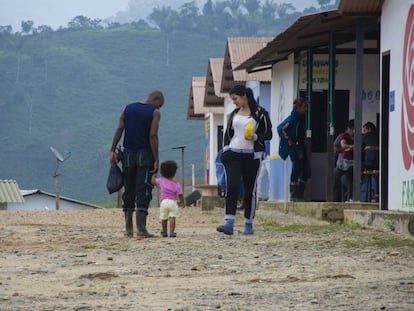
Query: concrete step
point(362, 213)
point(400, 222)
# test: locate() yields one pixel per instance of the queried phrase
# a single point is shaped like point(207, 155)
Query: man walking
point(139, 123)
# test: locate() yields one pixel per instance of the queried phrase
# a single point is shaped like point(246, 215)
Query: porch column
point(309, 88)
point(330, 116)
point(358, 109)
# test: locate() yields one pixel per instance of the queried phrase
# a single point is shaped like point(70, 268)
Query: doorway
point(319, 116)
point(385, 108)
point(319, 124)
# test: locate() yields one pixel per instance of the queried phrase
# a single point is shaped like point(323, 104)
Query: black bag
point(115, 179)
point(192, 197)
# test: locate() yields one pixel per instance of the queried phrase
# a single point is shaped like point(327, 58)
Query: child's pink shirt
point(168, 189)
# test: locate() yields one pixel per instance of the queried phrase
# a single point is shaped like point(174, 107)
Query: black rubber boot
point(142, 226)
point(129, 226)
point(294, 191)
point(301, 191)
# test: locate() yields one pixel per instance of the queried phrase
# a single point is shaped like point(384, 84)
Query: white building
point(209, 100)
point(40, 200)
point(361, 64)
point(397, 85)
point(360, 61)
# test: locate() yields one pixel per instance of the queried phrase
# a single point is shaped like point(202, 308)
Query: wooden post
point(57, 193)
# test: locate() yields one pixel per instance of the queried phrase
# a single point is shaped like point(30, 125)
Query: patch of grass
point(349, 235)
point(379, 242)
point(106, 204)
point(273, 225)
point(89, 246)
point(112, 247)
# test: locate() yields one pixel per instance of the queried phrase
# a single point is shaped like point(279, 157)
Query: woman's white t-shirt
point(238, 142)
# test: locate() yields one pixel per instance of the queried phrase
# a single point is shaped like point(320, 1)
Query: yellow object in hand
point(248, 130)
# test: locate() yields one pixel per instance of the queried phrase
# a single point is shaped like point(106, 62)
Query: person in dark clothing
point(370, 159)
point(370, 142)
point(344, 145)
point(247, 129)
point(292, 133)
point(139, 123)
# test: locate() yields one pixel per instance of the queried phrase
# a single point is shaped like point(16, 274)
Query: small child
point(170, 190)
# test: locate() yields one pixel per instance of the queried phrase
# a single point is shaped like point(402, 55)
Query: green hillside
point(66, 89)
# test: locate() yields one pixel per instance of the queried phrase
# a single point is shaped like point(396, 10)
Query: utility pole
point(59, 159)
point(57, 192)
point(182, 164)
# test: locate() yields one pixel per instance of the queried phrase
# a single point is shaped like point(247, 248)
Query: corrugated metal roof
point(358, 6)
point(311, 31)
point(10, 192)
point(211, 99)
point(40, 192)
point(237, 51)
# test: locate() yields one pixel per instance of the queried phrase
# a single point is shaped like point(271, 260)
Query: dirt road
point(80, 260)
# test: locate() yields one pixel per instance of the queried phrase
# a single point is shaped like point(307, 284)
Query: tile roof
point(216, 65)
point(10, 192)
point(314, 30)
point(237, 51)
point(196, 83)
point(196, 108)
point(212, 96)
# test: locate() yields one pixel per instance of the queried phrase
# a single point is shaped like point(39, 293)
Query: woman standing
point(248, 127)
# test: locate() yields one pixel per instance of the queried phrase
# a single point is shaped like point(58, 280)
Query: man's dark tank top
point(137, 121)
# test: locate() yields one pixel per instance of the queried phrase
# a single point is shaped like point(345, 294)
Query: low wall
point(209, 197)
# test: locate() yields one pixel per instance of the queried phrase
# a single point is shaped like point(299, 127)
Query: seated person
point(343, 173)
point(370, 142)
point(370, 156)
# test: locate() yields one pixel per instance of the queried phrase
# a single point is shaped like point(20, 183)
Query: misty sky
point(56, 13)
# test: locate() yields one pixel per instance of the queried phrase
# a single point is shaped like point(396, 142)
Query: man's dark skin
point(155, 99)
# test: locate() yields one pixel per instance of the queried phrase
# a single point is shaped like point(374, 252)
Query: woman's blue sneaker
point(164, 234)
point(248, 229)
point(226, 228)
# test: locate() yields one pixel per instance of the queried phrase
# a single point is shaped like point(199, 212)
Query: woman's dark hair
point(168, 168)
point(241, 90)
point(370, 126)
point(299, 102)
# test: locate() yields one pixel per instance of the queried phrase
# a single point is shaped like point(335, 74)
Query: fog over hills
point(56, 13)
point(140, 9)
point(67, 87)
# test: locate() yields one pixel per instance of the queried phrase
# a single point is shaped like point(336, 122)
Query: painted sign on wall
point(407, 110)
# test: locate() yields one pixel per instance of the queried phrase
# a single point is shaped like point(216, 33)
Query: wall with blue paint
point(279, 179)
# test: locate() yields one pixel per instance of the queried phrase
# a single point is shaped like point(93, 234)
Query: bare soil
point(80, 260)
